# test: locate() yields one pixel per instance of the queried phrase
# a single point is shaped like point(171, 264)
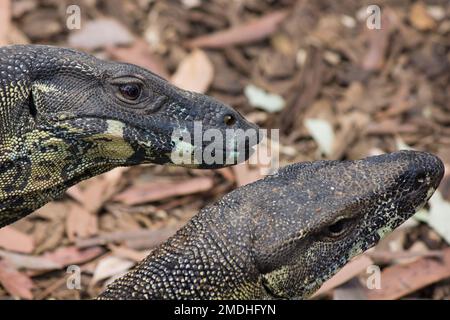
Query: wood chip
point(420, 18)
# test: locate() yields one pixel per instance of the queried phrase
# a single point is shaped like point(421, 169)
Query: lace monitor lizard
point(283, 236)
point(66, 116)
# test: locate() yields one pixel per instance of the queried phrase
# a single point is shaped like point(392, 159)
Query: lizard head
point(311, 218)
point(129, 115)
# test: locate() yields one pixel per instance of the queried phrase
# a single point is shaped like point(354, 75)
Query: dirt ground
point(336, 85)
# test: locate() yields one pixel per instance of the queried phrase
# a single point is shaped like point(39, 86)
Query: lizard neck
point(204, 260)
point(40, 165)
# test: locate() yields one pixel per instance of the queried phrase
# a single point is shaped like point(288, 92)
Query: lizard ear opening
point(32, 106)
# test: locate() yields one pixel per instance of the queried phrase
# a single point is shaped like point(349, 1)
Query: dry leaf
point(72, 255)
point(54, 211)
point(246, 33)
point(100, 33)
point(100, 189)
point(151, 238)
point(80, 223)
point(439, 216)
point(381, 257)
point(109, 267)
point(159, 190)
point(29, 262)
point(378, 44)
point(128, 253)
point(195, 72)
point(13, 240)
point(266, 101)
point(16, 283)
point(402, 279)
point(48, 235)
point(322, 132)
point(244, 175)
point(76, 193)
point(139, 54)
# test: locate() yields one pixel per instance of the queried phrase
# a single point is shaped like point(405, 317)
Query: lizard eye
point(338, 228)
point(130, 91)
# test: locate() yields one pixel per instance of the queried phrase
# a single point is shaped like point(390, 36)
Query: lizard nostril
point(421, 178)
point(229, 120)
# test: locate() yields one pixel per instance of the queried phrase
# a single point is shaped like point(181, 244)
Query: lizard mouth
point(194, 157)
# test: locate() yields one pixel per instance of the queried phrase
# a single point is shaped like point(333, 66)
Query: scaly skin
point(64, 117)
point(283, 236)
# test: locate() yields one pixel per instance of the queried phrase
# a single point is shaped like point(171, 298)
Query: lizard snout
point(422, 175)
point(425, 170)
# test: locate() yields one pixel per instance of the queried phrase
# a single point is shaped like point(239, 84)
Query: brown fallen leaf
point(151, 237)
point(48, 235)
point(351, 290)
point(159, 190)
point(151, 242)
point(73, 255)
point(20, 261)
point(53, 211)
point(195, 72)
point(128, 253)
point(80, 223)
point(349, 271)
point(374, 59)
point(98, 190)
point(227, 174)
point(247, 33)
point(100, 33)
point(15, 283)
point(13, 240)
point(139, 54)
point(76, 193)
point(110, 266)
point(244, 175)
point(5, 21)
point(383, 257)
point(400, 280)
